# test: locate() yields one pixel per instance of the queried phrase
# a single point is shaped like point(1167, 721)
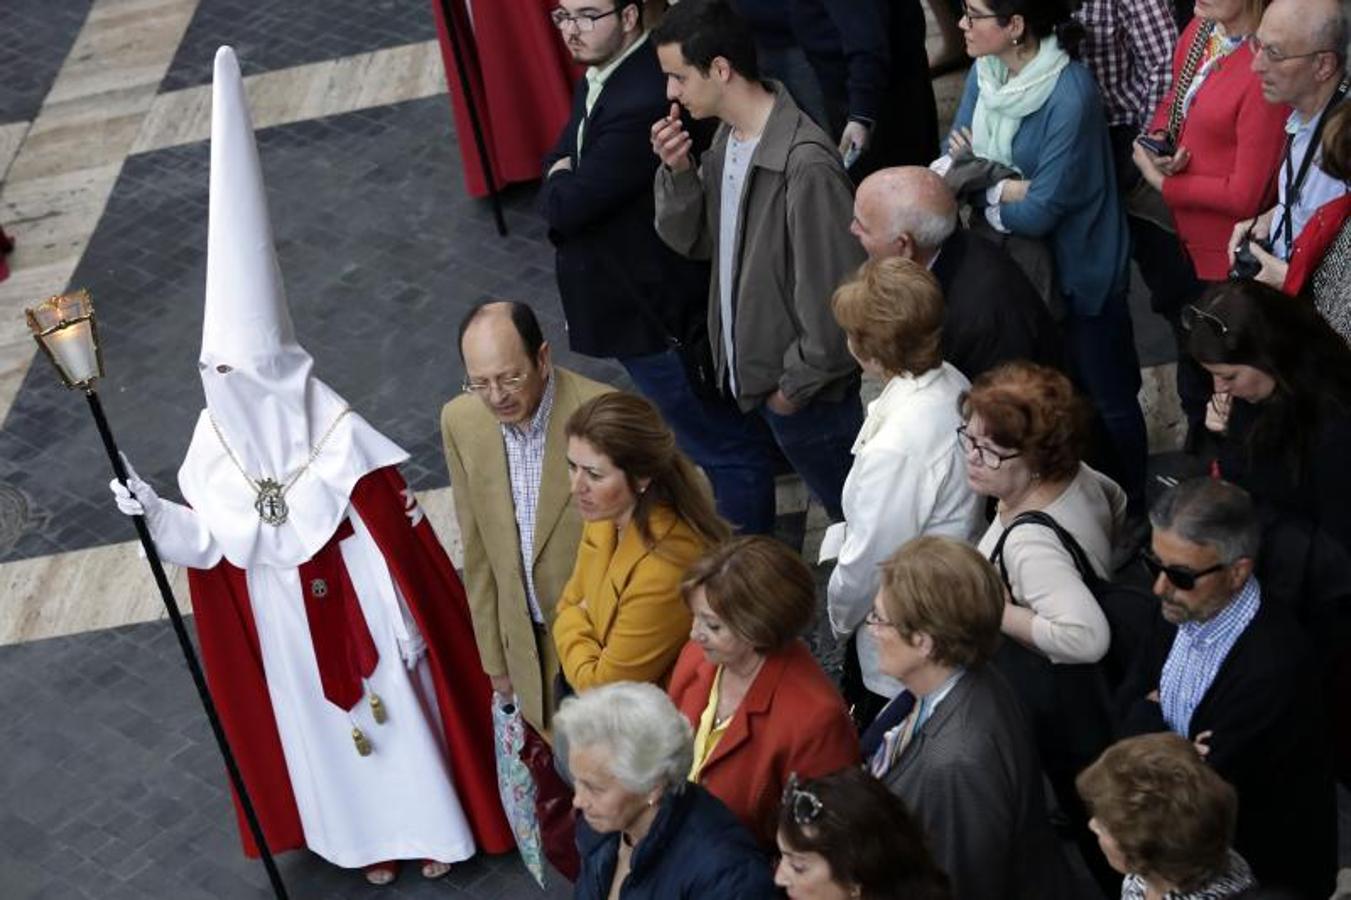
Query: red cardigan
point(791, 720)
point(1236, 140)
point(1313, 241)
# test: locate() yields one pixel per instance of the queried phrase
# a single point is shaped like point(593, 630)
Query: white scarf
point(1005, 101)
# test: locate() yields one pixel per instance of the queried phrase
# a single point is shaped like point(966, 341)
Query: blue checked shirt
point(525, 467)
point(1198, 651)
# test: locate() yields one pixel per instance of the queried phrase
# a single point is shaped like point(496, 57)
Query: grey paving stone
point(37, 36)
point(279, 34)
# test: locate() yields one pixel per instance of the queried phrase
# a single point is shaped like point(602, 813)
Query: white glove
point(180, 535)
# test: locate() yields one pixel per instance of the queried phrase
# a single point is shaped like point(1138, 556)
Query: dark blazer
point(695, 848)
point(766, 742)
point(972, 778)
point(624, 292)
point(1268, 741)
point(993, 312)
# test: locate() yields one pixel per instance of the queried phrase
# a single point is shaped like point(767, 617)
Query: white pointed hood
point(259, 389)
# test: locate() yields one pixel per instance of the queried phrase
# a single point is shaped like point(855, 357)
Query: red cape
point(521, 77)
point(425, 576)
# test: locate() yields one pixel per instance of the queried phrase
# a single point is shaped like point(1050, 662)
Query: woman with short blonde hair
point(907, 478)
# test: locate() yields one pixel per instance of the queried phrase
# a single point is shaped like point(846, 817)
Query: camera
point(1246, 264)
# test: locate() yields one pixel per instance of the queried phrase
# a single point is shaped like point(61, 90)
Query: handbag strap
point(1187, 75)
point(1038, 517)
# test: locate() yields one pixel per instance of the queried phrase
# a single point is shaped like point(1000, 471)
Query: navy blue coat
point(624, 292)
point(695, 850)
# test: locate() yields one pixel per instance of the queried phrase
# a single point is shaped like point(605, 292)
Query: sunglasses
point(1181, 577)
point(1193, 315)
point(805, 806)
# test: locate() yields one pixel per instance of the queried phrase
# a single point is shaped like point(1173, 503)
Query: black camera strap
point(1294, 183)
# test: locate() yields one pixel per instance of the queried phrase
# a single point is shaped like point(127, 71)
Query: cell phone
point(1159, 146)
point(851, 156)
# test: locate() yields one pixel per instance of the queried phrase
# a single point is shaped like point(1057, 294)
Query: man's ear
point(721, 69)
point(1239, 572)
point(544, 356)
point(632, 17)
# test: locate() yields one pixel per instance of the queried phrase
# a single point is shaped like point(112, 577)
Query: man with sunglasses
point(1300, 54)
point(505, 450)
point(1232, 674)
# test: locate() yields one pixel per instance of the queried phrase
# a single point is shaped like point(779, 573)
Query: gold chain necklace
point(270, 501)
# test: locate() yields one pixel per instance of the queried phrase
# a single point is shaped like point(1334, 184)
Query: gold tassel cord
point(378, 709)
point(362, 744)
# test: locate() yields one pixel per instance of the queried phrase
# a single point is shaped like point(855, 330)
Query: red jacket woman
point(1234, 140)
point(759, 704)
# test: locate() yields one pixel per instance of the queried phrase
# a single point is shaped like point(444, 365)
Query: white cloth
point(1069, 626)
point(397, 803)
point(908, 479)
point(1319, 187)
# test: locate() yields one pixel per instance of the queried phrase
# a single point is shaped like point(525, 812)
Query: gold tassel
point(378, 709)
point(363, 745)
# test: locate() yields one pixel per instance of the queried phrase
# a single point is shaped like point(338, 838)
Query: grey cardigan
point(972, 778)
point(795, 250)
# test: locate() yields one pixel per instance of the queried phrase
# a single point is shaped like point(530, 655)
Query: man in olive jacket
point(770, 204)
point(506, 452)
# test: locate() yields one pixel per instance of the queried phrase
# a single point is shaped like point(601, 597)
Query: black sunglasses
point(1181, 577)
point(805, 806)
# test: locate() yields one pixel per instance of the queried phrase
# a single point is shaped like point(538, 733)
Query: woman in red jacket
point(1228, 141)
point(758, 701)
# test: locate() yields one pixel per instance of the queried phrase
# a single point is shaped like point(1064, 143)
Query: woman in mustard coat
point(647, 515)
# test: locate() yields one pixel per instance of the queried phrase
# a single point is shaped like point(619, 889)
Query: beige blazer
point(493, 574)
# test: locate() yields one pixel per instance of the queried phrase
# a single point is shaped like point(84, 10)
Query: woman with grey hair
point(645, 830)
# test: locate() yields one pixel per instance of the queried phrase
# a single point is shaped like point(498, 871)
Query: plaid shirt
point(1198, 651)
point(525, 467)
point(1129, 50)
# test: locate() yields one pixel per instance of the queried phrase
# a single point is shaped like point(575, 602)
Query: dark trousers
point(1168, 273)
point(1101, 354)
point(727, 444)
point(818, 441)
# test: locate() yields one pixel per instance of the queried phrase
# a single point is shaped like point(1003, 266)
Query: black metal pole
point(189, 654)
point(458, 51)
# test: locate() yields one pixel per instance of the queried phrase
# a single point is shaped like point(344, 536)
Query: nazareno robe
point(228, 631)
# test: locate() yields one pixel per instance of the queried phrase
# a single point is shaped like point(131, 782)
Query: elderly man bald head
point(906, 211)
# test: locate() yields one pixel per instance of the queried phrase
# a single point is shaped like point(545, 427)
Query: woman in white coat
point(908, 477)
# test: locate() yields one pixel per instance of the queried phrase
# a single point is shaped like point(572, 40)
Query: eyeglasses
point(511, 384)
point(1260, 49)
point(1181, 577)
point(976, 17)
point(806, 807)
point(1193, 315)
point(875, 620)
point(988, 457)
point(585, 22)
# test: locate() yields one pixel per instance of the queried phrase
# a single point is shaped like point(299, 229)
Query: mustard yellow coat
point(620, 616)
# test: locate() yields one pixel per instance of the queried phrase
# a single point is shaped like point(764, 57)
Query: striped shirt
point(1235, 878)
point(525, 467)
point(1198, 651)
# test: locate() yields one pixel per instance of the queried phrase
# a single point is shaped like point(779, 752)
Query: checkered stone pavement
point(37, 35)
point(278, 34)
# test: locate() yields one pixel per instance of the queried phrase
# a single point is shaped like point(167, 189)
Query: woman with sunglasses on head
point(747, 683)
point(647, 514)
point(1023, 433)
point(1212, 151)
point(1030, 107)
point(1281, 402)
point(846, 837)
point(955, 745)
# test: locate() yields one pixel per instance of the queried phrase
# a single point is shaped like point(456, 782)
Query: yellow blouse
point(707, 735)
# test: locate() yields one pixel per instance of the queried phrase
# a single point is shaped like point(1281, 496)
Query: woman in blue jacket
point(1029, 106)
point(646, 833)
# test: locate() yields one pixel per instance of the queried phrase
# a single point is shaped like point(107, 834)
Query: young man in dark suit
point(1234, 674)
point(625, 293)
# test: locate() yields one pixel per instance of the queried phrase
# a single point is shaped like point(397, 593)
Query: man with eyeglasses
point(1233, 674)
point(1300, 53)
point(625, 293)
point(505, 450)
